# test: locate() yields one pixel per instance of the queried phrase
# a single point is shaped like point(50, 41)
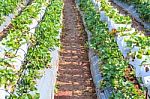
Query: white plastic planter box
point(103, 17)
point(111, 25)
point(122, 45)
point(46, 84)
point(123, 25)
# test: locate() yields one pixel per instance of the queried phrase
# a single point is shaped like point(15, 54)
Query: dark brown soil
point(4, 32)
point(74, 78)
point(131, 77)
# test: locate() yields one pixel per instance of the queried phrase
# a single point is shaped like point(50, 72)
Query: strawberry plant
point(112, 63)
point(137, 39)
point(142, 7)
point(113, 13)
point(9, 6)
point(22, 83)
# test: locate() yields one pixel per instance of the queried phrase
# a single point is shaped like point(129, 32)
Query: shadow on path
point(74, 78)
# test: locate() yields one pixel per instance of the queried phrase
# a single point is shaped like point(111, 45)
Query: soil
point(131, 77)
point(74, 77)
point(4, 32)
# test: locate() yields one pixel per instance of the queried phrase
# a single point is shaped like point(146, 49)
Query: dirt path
point(74, 78)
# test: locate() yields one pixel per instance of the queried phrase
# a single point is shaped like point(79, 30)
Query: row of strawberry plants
point(8, 7)
point(24, 25)
point(113, 13)
point(112, 63)
point(20, 36)
point(112, 16)
point(142, 7)
point(38, 56)
point(23, 30)
point(134, 46)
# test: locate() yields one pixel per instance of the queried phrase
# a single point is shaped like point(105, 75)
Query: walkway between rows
point(74, 78)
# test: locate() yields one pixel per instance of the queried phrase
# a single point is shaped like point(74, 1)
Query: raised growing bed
point(138, 45)
point(25, 61)
point(109, 55)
